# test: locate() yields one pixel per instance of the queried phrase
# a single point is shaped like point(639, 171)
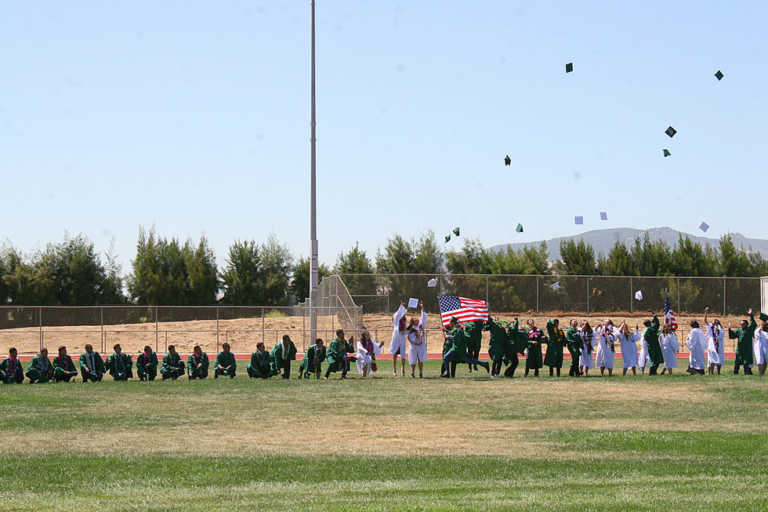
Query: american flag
point(464, 309)
point(669, 315)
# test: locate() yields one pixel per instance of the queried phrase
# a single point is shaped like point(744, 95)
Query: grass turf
point(624, 443)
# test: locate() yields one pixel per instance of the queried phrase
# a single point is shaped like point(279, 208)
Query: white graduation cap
point(413, 303)
point(578, 219)
point(432, 283)
point(555, 286)
point(639, 295)
point(603, 215)
point(704, 226)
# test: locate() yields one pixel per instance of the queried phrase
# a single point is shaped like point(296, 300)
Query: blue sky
point(194, 117)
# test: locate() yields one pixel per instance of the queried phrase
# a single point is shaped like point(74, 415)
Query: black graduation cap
point(666, 152)
point(569, 67)
point(670, 131)
point(507, 160)
point(519, 228)
point(719, 75)
point(447, 238)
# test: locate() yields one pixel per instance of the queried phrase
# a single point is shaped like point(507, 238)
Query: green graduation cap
point(507, 160)
point(447, 238)
point(719, 75)
point(763, 317)
point(456, 231)
point(666, 152)
point(569, 67)
point(670, 131)
point(519, 228)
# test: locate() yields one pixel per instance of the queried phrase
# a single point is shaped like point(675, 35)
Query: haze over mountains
point(602, 240)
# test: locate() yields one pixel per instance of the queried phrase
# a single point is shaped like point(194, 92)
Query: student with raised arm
point(556, 342)
point(367, 350)
point(399, 335)
point(744, 335)
point(417, 352)
point(574, 347)
point(533, 356)
point(697, 347)
point(585, 360)
point(628, 341)
point(651, 337)
point(669, 348)
point(499, 346)
point(715, 343)
point(605, 347)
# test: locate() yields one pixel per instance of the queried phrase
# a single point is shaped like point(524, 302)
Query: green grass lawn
point(676, 443)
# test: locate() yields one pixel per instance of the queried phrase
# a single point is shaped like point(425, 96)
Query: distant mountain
point(602, 240)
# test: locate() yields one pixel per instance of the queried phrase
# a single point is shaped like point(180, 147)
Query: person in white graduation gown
point(399, 336)
point(628, 341)
point(761, 344)
point(644, 358)
point(605, 347)
point(417, 351)
point(669, 348)
point(715, 343)
point(697, 347)
point(366, 351)
point(587, 338)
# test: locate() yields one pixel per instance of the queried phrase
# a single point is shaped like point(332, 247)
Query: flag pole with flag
point(464, 309)
point(669, 314)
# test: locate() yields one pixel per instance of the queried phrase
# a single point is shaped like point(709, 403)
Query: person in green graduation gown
point(457, 353)
point(337, 356)
point(261, 365)
point(445, 367)
point(651, 337)
point(555, 342)
point(474, 332)
point(499, 346)
point(197, 364)
point(11, 371)
point(91, 365)
point(744, 347)
point(313, 360)
point(282, 355)
point(573, 342)
point(146, 364)
point(533, 355)
point(225, 363)
point(173, 366)
point(40, 368)
point(63, 367)
point(119, 364)
point(518, 343)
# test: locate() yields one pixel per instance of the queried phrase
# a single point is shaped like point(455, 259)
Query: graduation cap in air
point(666, 152)
point(719, 75)
point(569, 67)
point(432, 283)
point(519, 228)
point(670, 131)
point(447, 238)
point(603, 215)
point(555, 286)
point(578, 219)
point(639, 295)
point(704, 226)
point(507, 160)
point(456, 231)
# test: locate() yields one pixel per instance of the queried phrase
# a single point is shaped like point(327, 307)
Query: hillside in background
point(602, 240)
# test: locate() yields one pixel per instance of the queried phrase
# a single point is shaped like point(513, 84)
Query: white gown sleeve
point(400, 313)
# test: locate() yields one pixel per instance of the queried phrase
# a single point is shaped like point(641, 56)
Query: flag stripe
point(464, 309)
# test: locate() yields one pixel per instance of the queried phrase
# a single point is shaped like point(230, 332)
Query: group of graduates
point(596, 347)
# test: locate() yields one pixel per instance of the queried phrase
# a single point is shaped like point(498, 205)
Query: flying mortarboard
point(704, 226)
point(456, 231)
point(670, 131)
point(603, 215)
point(432, 283)
point(666, 152)
point(555, 286)
point(719, 75)
point(578, 219)
point(639, 295)
point(569, 67)
point(519, 228)
point(447, 238)
point(507, 160)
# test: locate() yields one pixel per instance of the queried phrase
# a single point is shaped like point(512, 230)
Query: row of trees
point(168, 271)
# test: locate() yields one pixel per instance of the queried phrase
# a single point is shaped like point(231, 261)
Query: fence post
point(724, 303)
point(263, 338)
point(679, 308)
point(217, 327)
point(157, 334)
point(588, 296)
point(537, 294)
point(304, 327)
point(631, 297)
point(40, 323)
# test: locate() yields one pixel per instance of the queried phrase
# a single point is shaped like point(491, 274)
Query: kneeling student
point(119, 364)
point(173, 366)
point(10, 369)
point(337, 356)
point(282, 355)
point(63, 366)
point(225, 363)
point(261, 363)
point(313, 360)
point(40, 368)
point(91, 365)
point(146, 364)
point(197, 364)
